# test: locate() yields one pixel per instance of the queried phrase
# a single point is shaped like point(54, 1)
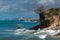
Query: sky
point(11, 9)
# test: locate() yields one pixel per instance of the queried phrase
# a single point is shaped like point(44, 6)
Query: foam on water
point(26, 34)
point(42, 36)
point(31, 32)
point(36, 32)
point(9, 33)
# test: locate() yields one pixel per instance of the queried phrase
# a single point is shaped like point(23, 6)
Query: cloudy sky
point(23, 8)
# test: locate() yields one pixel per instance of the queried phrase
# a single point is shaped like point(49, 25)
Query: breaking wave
point(24, 34)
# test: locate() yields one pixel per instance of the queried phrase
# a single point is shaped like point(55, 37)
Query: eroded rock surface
point(49, 19)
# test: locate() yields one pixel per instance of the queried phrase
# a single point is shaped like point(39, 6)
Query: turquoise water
point(12, 24)
point(8, 32)
point(7, 27)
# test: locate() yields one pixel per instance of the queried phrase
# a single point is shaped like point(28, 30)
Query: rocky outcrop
point(49, 19)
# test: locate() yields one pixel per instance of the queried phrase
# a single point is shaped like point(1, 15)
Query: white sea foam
point(42, 34)
point(23, 31)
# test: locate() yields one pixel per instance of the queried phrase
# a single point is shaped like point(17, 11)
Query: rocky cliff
point(49, 19)
point(54, 16)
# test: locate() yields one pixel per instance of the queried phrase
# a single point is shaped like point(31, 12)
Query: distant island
point(29, 19)
point(26, 19)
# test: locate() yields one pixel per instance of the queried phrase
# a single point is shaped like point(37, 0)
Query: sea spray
point(29, 35)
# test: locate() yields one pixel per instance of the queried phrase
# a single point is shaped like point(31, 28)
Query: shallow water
point(11, 35)
point(8, 32)
point(12, 24)
point(7, 29)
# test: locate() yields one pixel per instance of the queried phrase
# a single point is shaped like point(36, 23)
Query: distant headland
point(25, 19)
point(29, 19)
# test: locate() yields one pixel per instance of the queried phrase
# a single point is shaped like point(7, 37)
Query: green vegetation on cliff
point(53, 12)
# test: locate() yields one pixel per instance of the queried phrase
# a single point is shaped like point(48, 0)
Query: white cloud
point(22, 5)
point(46, 2)
point(42, 2)
point(51, 1)
point(4, 8)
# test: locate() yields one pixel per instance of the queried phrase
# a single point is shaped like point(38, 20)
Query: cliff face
point(50, 19)
point(54, 16)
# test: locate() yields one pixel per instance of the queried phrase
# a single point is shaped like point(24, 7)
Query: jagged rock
point(49, 18)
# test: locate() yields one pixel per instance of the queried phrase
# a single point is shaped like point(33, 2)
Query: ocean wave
point(31, 34)
point(34, 32)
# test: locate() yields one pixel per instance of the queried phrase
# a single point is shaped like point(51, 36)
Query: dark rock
point(46, 18)
point(44, 23)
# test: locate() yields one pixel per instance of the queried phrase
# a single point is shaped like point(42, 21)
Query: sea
point(8, 31)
